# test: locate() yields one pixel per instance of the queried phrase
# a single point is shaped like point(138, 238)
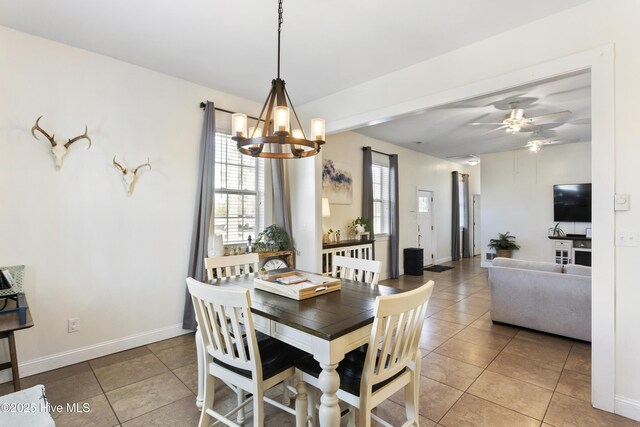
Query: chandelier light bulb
point(255, 132)
point(317, 130)
point(239, 125)
point(281, 118)
point(297, 134)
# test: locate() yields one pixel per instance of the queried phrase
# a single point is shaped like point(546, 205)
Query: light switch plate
point(627, 238)
point(622, 202)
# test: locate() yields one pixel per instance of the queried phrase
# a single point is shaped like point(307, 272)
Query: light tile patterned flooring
point(474, 373)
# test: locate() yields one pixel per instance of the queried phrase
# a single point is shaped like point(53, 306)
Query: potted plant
point(272, 239)
point(359, 226)
point(504, 245)
point(556, 231)
point(337, 236)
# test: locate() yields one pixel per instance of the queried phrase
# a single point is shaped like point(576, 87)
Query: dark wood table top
point(328, 316)
point(9, 321)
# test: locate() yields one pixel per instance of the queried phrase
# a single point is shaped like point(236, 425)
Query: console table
point(9, 323)
point(352, 248)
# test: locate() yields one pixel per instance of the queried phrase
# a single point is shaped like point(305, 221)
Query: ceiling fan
point(536, 143)
point(516, 121)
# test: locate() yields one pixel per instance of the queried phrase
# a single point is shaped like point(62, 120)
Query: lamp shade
point(326, 211)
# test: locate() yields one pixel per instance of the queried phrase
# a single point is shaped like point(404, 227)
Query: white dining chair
point(391, 362)
point(243, 363)
point(361, 270)
point(226, 267)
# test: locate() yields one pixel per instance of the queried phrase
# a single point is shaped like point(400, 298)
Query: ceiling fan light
point(517, 114)
point(535, 146)
point(473, 162)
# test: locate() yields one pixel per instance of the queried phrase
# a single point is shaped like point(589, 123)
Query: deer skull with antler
point(129, 176)
point(59, 149)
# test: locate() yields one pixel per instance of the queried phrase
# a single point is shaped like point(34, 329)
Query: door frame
point(476, 238)
point(434, 240)
point(601, 62)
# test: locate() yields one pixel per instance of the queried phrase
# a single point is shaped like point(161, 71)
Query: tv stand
point(572, 249)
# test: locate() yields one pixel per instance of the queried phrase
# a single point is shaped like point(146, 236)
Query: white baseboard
point(443, 260)
point(59, 360)
point(627, 408)
point(485, 264)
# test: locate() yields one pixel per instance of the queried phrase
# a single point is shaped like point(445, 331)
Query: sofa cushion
point(527, 265)
point(578, 270)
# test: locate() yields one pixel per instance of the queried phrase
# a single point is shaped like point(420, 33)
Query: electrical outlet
point(73, 325)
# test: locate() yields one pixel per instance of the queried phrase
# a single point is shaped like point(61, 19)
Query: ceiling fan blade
point(549, 117)
point(483, 124)
point(561, 141)
point(580, 122)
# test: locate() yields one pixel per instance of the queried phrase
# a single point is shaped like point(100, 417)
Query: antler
point(37, 127)
point(79, 137)
point(135, 171)
point(118, 165)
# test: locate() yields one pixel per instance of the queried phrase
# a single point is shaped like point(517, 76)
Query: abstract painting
point(336, 182)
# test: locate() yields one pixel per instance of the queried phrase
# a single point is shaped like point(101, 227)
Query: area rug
point(438, 268)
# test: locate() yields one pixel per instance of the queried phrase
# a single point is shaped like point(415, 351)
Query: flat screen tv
point(572, 203)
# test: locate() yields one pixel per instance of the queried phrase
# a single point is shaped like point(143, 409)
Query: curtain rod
point(380, 152)
point(204, 104)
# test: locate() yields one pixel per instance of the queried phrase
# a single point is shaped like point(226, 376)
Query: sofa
point(543, 296)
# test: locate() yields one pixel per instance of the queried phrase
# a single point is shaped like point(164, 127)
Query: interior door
point(476, 224)
point(425, 225)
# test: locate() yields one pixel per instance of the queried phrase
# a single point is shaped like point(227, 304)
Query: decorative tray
point(297, 285)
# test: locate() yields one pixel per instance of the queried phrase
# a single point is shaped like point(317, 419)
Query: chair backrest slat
point(231, 266)
point(358, 269)
point(220, 311)
point(395, 335)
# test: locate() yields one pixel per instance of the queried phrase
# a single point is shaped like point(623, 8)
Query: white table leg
point(301, 403)
point(200, 356)
point(329, 382)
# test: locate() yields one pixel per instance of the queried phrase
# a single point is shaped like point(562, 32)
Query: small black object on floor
point(438, 268)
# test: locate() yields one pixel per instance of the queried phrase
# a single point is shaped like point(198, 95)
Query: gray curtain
point(464, 189)
point(455, 215)
point(282, 216)
point(394, 217)
point(204, 206)
point(367, 184)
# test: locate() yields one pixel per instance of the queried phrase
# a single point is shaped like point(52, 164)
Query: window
point(380, 198)
point(239, 192)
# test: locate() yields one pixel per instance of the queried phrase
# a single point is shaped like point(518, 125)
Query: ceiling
point(230, 45)
point(446, 131)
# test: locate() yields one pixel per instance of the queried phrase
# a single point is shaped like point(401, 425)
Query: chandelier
point(273, 136)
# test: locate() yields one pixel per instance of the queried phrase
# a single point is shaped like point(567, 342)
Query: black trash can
point(413, 258)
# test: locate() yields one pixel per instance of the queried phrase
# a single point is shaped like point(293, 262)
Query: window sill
point(381, 237)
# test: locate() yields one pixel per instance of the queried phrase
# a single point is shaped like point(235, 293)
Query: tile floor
point(474, 373)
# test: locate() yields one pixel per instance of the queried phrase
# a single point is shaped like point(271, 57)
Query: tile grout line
point(557, 382)
point(104, 393)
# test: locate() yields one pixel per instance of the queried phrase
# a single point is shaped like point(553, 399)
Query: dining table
point(328, 326)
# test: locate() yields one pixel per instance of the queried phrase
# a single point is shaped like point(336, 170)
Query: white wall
point(416, 171)
point(517, 195)
point(579, 29)
point(118, 263)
